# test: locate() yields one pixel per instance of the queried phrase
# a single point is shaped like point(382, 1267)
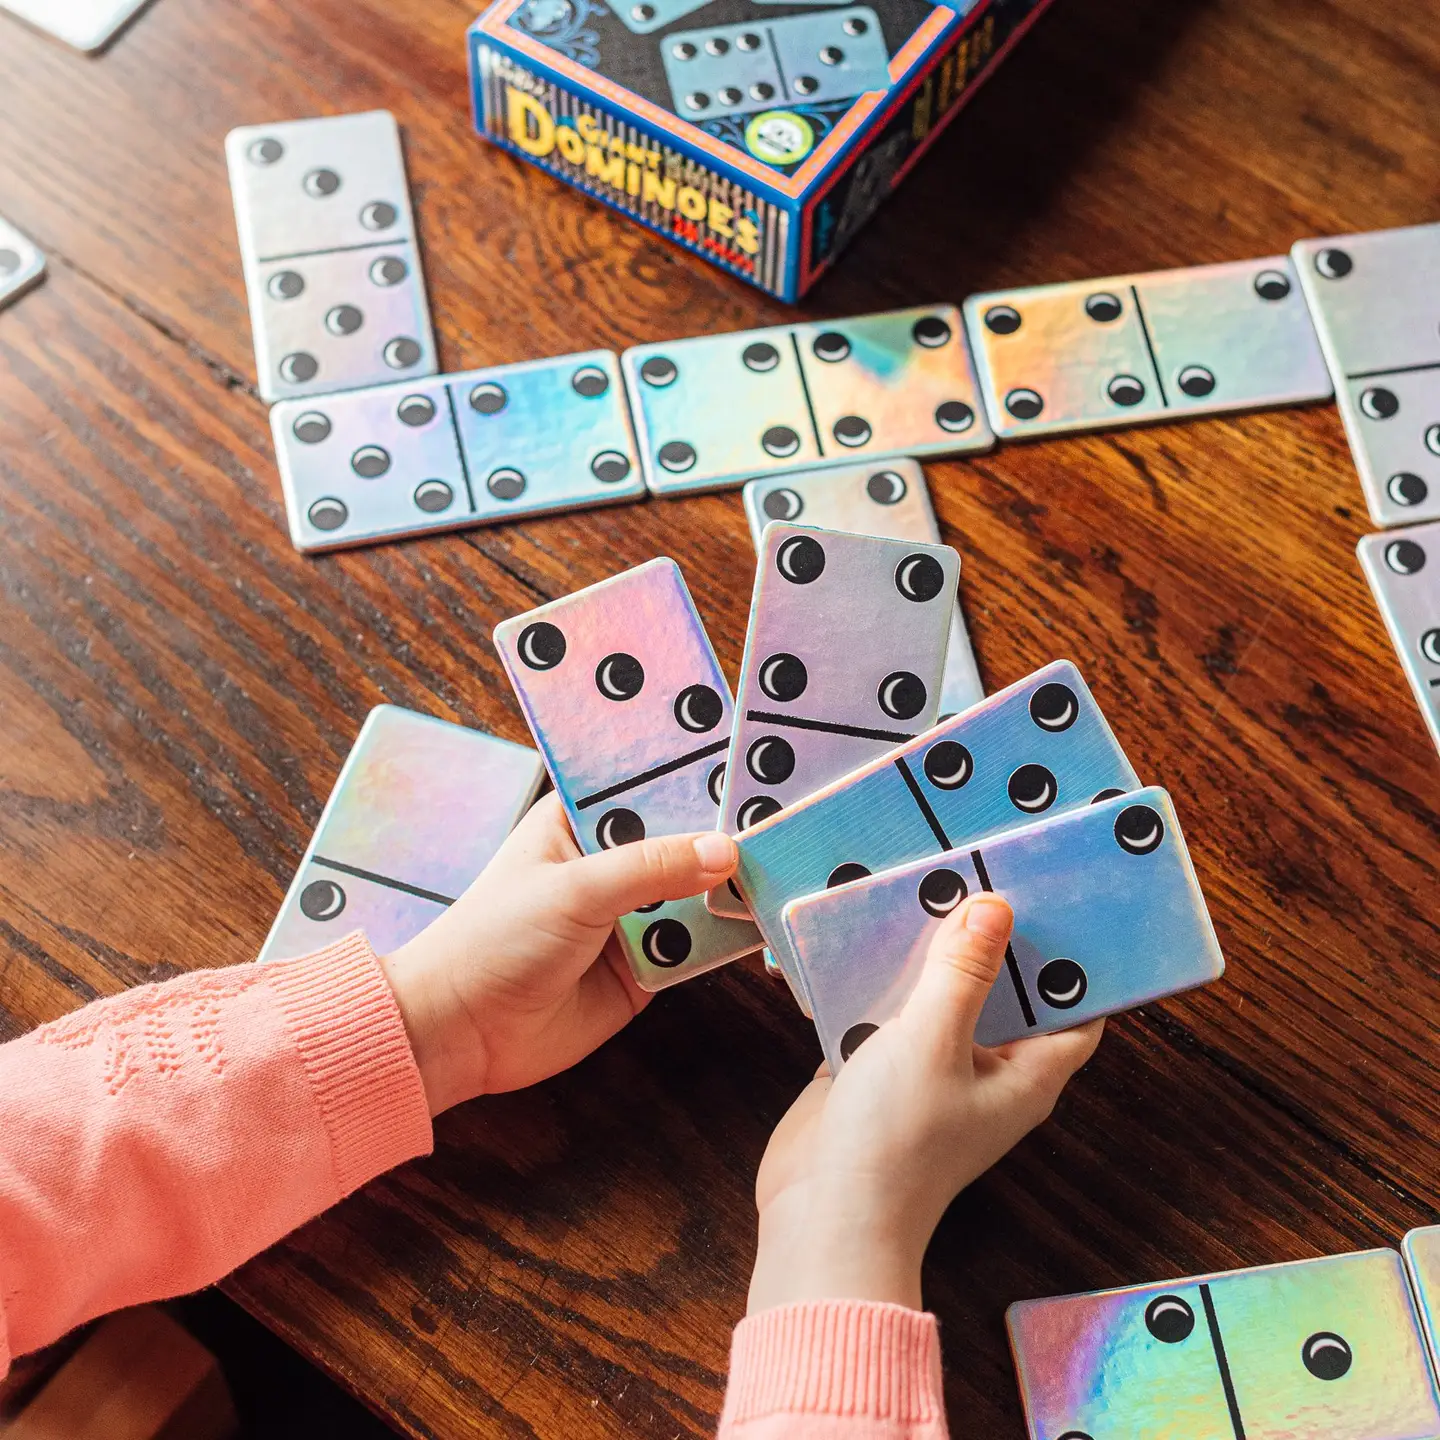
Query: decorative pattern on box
point(758, 133)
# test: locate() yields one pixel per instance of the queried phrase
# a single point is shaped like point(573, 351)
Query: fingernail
point(989, 917)
point(714, 851)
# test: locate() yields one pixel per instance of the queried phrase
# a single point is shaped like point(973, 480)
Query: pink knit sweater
point(154, 1141)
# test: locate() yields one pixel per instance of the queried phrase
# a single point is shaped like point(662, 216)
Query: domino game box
point(761, 134)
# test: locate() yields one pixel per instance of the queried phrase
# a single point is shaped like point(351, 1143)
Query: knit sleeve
point(835, 1370)
point(151, 1142)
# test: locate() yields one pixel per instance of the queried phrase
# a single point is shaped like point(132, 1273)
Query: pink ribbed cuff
point(836, 1357)
point(342, 1014)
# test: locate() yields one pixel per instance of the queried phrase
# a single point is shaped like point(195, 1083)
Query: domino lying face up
point(629, 707)
point(1325, 1349)
point(1108, 914)
point(1040, 747)
point(722, 409)
point(419, 809)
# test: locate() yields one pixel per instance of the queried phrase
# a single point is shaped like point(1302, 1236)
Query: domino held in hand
point(888, 498)
point(629, 707)
point(1108, 915)
point(1039, 747)
point(418, 811)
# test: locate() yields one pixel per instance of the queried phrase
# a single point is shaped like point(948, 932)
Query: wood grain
point(178, 688)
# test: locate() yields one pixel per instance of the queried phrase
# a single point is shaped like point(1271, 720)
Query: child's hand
point(860, 1170)
point(523, 976)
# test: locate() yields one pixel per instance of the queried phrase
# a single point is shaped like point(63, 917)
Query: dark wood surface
point(178, 687)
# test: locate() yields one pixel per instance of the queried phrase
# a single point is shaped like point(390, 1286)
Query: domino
point(327, 239)
point(717, 410)
point(1326, 1349)
point(419, 809)
point(87, 25)
point(769, 64)
point(644, 17)
point(1403, 569)
point(629, 707)
point(888, 498)
point(1039, 747)
point(1131, 349)
point(843, 659)
point(456, 450)
point(22, 265)
point(1421, 1249)
point(1108, 915)
point(1372, 300)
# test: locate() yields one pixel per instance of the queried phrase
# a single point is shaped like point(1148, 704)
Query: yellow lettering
point(632, 179)
point(615, 145)
point(608, 171)
point(692, 203)
point(661, 191)
point(747, 236)
point(920, 121)
point(523, 111)
point(953, 68)
point(570, 145)
point(590, 132)
point(720, 218)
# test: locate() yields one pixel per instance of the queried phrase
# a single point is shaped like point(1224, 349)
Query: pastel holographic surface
point(327, 239)
point(456, 450)
point(419, 809)
point(888, 498)
point(629, 707)
point(1326, 1349)
point(716, 410)
point(1108, 915)
point(1040, 747)
point(1421, 1249)
point(843, 661)
point(896, 383)
point(1133, 348)
point(1371, 297)
point(1403, 568)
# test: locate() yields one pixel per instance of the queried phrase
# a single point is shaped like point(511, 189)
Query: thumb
point(965, 956)
point(606, 886)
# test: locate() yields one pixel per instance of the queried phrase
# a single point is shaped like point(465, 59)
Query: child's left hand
point(522, 976)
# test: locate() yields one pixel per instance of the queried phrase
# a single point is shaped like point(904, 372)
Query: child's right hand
point(862, 1167)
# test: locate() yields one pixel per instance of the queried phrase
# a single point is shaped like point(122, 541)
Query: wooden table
point(179, 687)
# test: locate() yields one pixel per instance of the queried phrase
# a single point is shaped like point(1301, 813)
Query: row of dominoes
point(1342, 1347)
point(338, 303)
